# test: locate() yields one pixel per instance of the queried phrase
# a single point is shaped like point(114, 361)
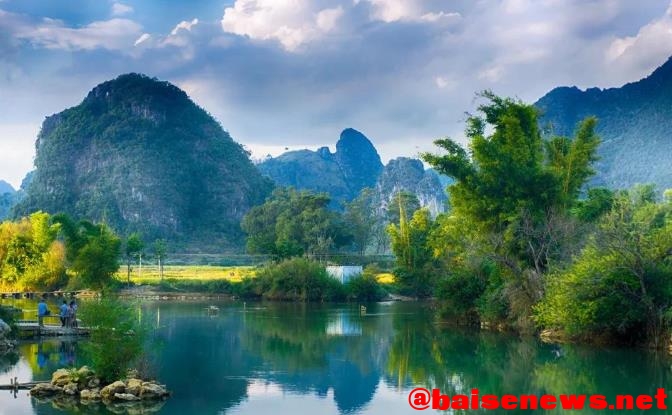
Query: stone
point(61, 377)
point(151, 390)
point(85, 371)
point(4, 329)
point(134, 386)
point(90, 394)
point(94, 382)
point(126, 397)
point(110, 390)
point(70, 389)
point(45, 390)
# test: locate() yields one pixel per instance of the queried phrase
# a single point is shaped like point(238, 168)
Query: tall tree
point(160, 250)
point(292, 223)
point(132, 252)
point(515, 190)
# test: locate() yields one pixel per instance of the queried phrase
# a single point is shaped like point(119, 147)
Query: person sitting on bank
point(72, 314)
point(64, 313)
point(42, 311)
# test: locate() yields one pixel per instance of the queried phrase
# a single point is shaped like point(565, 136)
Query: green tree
point(132, 252)
point(97, 258)
point(621, 284)
point(515, 190)
point(361, 219)
point(117, 337)
point(160, 250)
point(413, 252)
point(292, 223)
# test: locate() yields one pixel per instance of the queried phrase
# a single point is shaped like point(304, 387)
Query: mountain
point(7, 199)
point(343, 174)
point(634, 122)
point(407, 174)
point(140, 155)
point(6, 187)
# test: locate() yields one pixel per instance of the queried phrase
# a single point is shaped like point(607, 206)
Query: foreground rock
point(82, 385)
point(5, 344)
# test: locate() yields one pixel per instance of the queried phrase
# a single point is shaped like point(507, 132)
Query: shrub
point(364, 288)
point(297, 279)
point(117, 337)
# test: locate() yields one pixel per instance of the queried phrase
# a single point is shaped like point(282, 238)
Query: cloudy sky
point(294, 73)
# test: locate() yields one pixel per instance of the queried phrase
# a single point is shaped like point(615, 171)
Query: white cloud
point(293, 23)
point(115, 34)
point(327, 18)
point(143, 38)
point(411, 10)
point(647, 49)
point(184, 25)
point(120, 9)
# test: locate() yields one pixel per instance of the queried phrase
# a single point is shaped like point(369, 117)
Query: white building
point(344, 273)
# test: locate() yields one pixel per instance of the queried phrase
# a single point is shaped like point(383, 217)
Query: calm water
point(315, 359)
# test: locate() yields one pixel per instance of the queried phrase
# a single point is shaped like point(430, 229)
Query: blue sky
point(293, 73)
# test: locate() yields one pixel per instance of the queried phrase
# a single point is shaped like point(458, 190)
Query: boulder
point(45, 390)
point(4, 329)
point(125, 397)
point(110, 390)
point(151, 390)
point(85, 372)
point(90, 394)
point(93, 382)
point(134, 386)
point(61, 377)
point(70, 389)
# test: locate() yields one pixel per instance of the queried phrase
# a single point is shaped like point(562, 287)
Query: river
point(261, 358)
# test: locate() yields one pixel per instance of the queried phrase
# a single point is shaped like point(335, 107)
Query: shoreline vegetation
point(528, 244)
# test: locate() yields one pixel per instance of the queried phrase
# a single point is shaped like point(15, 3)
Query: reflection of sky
point(272, 398)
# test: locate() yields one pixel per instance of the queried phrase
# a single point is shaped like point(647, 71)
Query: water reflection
point(296, 358)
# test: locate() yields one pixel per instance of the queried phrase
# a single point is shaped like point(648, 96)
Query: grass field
point(203, 273)
point(150, 273)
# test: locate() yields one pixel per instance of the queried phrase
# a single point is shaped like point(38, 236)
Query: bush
point(364, 288)
point(117, 337)
point(297, 279)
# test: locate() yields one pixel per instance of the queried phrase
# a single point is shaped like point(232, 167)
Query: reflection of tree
point(455, 361)
point(577, 369)
point(307, 355)
point(7, 360)
point(46, 356)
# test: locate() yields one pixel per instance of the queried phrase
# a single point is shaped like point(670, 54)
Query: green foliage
point(139, 155)
point(117, 337)
point(361, 220)
point(364, 288)
point(297, 279)
point(621, 284)
point(414, 255)
point(292, 223)
point(96, 251)
point(510, 207)
point(30, 256)
point(132, 251)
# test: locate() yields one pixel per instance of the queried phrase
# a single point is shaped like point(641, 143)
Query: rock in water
point(139, 154)
point(45, 390)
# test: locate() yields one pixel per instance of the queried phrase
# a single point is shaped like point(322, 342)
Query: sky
point(291, 74)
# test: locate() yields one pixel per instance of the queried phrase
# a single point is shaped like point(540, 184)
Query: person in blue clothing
point(42, 311)
point(63, 314)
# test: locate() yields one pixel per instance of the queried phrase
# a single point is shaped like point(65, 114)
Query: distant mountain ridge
point(354, 166)
point(343, 174)
point(634, 122)
point(6, 187)
point(140, 155)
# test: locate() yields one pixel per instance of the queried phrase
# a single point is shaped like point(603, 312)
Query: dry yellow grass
point(150, 274)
